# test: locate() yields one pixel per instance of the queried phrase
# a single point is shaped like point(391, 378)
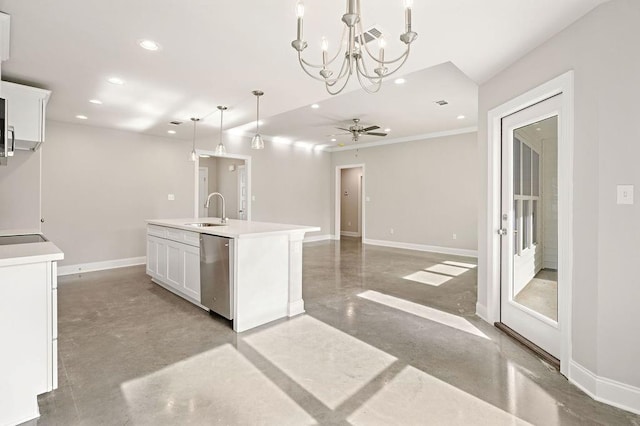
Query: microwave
point(7, 145)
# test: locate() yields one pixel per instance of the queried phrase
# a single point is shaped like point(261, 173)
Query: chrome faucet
point(223, 219)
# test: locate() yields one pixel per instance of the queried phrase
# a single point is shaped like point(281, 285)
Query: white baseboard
point(335, 237)
point(296, 308)
point(481, 311)
point(605, 390)
point(101, 266)
point(315, 238)
point(349, 234)
point(422, 247)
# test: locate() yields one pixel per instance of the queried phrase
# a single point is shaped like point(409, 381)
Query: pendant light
point(220, 149)
point(193, 150)
point(257, 142)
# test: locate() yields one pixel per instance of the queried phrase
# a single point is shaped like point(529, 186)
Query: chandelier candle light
point(220, 149)
point(356, 46)
point(193, 150)
point(257, 142)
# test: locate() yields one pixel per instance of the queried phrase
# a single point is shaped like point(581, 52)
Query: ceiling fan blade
point(370, 128)
point(375, 134)
point(342, 128)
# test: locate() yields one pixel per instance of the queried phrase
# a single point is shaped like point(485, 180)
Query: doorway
point(529, 252)
point(501, 240)
point(349, 218)
point(229, 175)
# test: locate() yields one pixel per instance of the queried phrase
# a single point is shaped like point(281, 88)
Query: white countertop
point(233, 228)
point(20, 254)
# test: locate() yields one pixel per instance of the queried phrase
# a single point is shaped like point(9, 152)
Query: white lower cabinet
point(174, 263)
point(29, 332)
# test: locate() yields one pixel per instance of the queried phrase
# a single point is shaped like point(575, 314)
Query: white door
point(242, 192)
point(203, 191)
point(529, 247)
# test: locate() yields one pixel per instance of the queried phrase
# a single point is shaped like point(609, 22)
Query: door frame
point(200, 169)
point(338, 202)
point(196, 173)
point(562, 84)
point(240, 167)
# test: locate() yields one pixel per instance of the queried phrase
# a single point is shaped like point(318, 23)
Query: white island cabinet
point(28, 328)
point(265, 264)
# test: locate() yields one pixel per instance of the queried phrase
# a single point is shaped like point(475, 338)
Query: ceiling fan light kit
point(356, 50)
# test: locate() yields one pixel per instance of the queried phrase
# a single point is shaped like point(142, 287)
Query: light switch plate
point(625, 194)
point(171, 197)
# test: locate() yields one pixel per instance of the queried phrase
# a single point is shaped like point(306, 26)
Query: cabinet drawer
point(185, 237)
point(157, 231)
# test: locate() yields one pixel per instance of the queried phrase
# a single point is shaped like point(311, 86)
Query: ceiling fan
point(356, 130)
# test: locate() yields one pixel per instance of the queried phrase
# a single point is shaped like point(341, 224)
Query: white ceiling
point(217, 52)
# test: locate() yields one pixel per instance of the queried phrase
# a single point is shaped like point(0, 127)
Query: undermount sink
point(205, 225)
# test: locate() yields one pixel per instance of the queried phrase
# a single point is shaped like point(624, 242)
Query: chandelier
point(355, 50)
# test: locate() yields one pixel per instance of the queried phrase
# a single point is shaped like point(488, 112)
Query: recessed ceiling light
point(387, 130)
point(333, 139)
point(538, 128)
point(399, 81)
point(315, 106)
point(149, 45)
point(171, 132)
point(461, 117)
point(81, 117)
point(96, 101)
point(116, 80)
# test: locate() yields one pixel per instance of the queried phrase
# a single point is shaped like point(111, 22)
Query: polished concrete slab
point(373, 348)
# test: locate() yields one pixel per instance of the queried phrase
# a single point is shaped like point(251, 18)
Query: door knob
point(502, 231)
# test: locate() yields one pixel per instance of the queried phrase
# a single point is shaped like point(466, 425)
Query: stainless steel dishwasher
point(215, 274)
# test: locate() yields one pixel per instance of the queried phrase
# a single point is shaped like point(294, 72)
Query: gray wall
point(20, 192)
point(602, 48)
point(99, 185)
point(425, 190)
point(350, 199)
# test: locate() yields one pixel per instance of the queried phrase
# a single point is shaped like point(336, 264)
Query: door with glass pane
point(529, 269)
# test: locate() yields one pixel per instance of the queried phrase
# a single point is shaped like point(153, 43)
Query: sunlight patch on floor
point(220, 385)
point(329, 364)
point(447, 269)
point(414, 397)
point(460, 264)
point(422, 311)
point(429, 278)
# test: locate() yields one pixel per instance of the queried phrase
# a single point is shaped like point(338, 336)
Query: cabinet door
point(175, 265)
point(192, 271)
point(152, 256)
point(161, 272)
point(25, 106)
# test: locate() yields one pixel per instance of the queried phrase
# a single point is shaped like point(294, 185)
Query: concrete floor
point(541, 294)
point(373, 348)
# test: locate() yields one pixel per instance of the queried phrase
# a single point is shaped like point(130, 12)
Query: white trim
point(413, 138)
point(562, 84)
point(101, 266)
point(296, 308)
point(422, 247)
point(349, 234)
point(338, 197)
point(481, 311)
point(605, 390)
point(247, 162)
point(315, 238)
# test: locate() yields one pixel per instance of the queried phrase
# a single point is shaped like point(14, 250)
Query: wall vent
point(175, 123)
point(442, 102)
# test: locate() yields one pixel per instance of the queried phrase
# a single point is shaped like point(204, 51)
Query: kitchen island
point(28, 323)
point(264, 265)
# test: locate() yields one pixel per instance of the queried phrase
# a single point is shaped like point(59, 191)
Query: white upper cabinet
point(26, 107)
